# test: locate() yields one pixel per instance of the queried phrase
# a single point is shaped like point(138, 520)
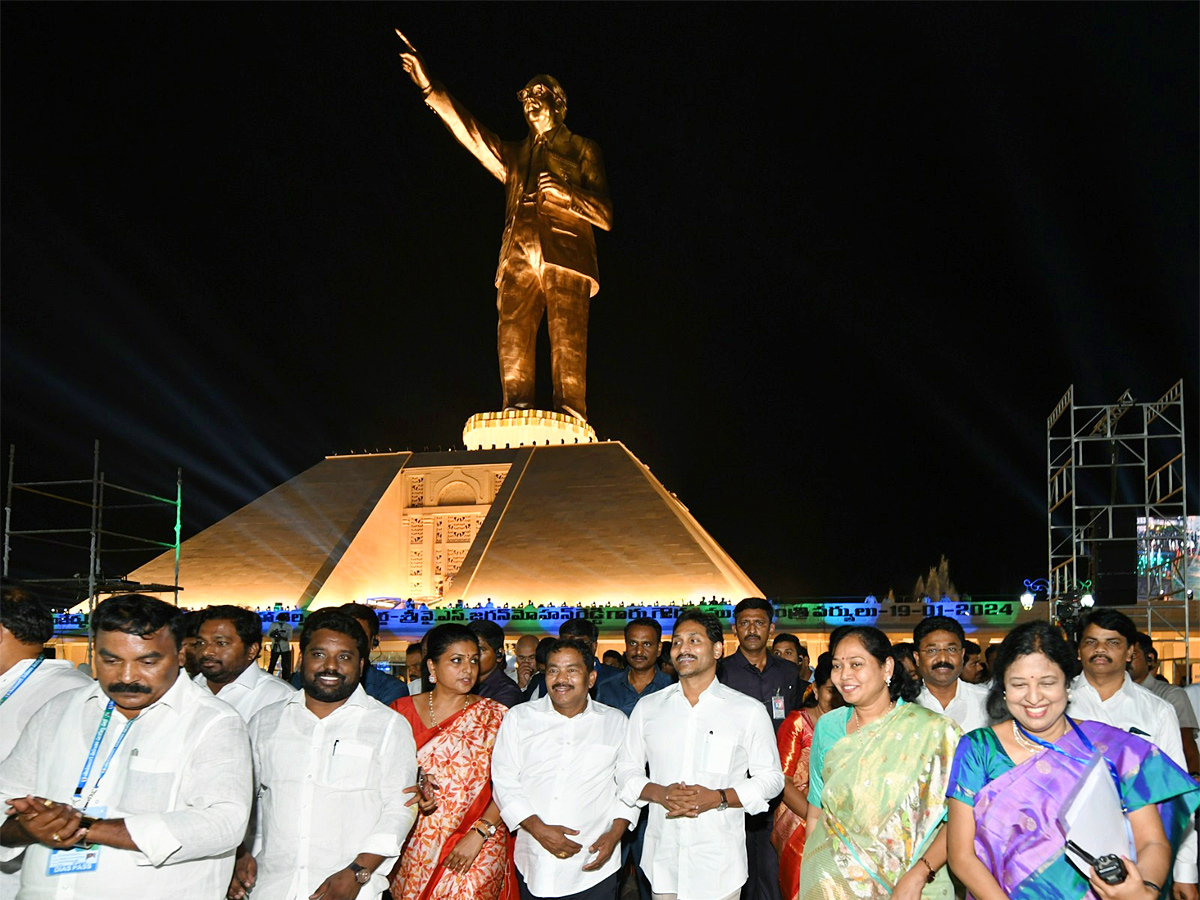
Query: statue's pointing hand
point(414, 64)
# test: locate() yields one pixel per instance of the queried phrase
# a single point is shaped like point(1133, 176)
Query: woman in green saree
point(877, 783)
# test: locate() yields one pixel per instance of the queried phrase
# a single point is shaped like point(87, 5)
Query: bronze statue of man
point(555, 192)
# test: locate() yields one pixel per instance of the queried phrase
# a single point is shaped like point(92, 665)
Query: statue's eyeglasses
point(538, 90)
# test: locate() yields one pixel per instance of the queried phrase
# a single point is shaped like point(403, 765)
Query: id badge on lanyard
point(777, 710)
point(76, 860)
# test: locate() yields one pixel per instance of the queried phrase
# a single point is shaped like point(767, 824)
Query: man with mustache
point(1105, 692)
point(712, 760)
point(228, 644)
point(138, 786)
point(331, 766)
point(974, 671)
point(383, 687)
point(580, 629)
point(940, 647)
point(553, 770)
point(412, 666)
point(643, 636)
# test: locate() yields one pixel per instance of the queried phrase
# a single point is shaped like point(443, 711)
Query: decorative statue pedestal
point(524, 428)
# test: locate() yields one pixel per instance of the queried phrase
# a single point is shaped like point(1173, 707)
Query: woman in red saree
point(458, 849)
point(795, 740)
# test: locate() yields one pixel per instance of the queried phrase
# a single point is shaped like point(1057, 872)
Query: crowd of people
point(1053, 769)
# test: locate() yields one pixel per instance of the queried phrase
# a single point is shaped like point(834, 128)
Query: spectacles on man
point(931, 652)
point(538, 90)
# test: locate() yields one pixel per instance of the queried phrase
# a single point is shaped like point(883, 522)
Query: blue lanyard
point(1112, 770)
point(12, 690)
point(87, 766)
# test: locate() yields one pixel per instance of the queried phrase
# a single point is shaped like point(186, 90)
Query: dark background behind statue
point(861, 252)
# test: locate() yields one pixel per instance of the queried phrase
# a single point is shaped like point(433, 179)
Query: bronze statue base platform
point(525, 428)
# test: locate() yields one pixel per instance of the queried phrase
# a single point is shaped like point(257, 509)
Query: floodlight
point(1027, 600)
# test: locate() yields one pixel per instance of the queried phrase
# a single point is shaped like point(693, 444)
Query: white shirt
point(251, 691)
point(1193, 694)
point(968, 708)
point(724, 741)
point(1134, 709)
point(329, 789)
point(180, 779)
point(50, 678)
point(562, 770)
point(1175, 696)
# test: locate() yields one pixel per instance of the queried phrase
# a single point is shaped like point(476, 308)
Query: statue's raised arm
point(414, 64)
point(555, 191)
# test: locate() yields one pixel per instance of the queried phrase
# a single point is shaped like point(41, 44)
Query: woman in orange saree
point(458, 849)
point(795, 740)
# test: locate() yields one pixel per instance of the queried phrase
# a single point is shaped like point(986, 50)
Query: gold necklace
point(432, 717)
point(858, 722)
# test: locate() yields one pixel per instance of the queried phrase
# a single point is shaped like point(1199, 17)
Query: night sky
point(859, 252)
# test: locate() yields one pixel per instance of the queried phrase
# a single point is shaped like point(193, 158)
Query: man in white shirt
point(1143, 668)
point(554, 774)
point(27, 681)
point(1192, 691)
point(331, 765)
point(713, 760)
point(1106, 693)
point(228, 644)
point(136, 787)
point(940, 652)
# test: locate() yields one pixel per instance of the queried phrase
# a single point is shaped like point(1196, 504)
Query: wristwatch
point(485, 829)
point(724, 800)
point(86, 823)
point(361, 873)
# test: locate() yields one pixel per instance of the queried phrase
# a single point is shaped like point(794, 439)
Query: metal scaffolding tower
point(90, 535)
point(1116, 474)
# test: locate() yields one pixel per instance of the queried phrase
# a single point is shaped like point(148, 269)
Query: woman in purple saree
point(1009, 783)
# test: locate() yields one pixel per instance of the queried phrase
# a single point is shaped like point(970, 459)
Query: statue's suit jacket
point(564, 232)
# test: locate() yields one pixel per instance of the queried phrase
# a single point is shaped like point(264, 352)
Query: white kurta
point(51, 678)
point(251, 691)
point(562, 770)
point(724, 741)
point(181, 780)
point(329, 789)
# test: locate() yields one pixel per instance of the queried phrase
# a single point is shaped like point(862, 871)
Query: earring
point(432, 678)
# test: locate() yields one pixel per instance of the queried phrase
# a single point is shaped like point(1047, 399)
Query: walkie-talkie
point(1109, 868)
